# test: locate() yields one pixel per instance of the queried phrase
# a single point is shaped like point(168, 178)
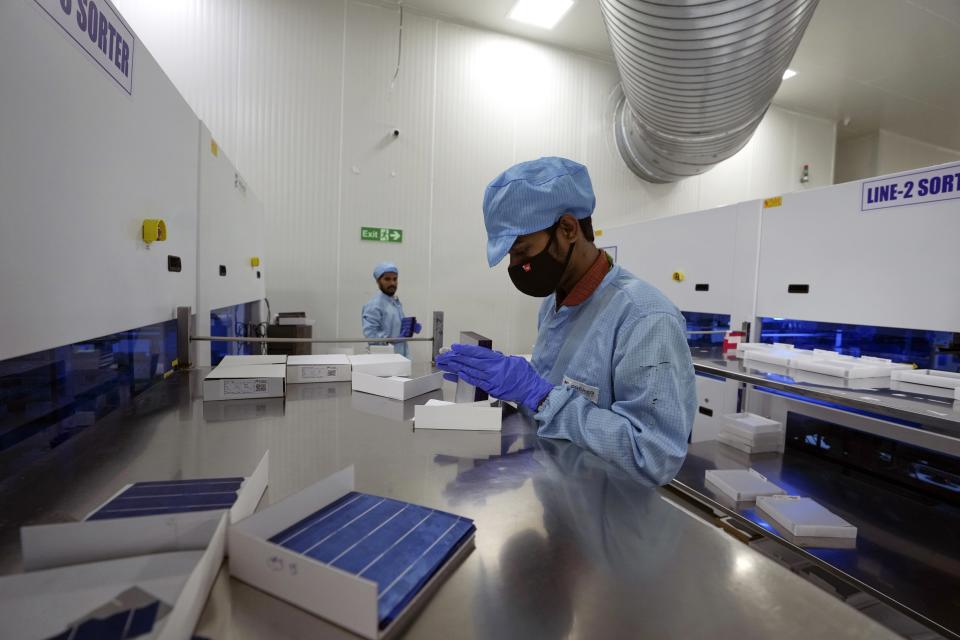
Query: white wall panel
point(299, 93)
point(82, 163)
point(230, 233)
point(289, 129)
point(386, 178)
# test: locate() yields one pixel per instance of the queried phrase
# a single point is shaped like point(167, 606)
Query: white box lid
point(804, 517)
point(742, 484)
point(753, 423)
point(324, 359)
point(248, 371)
point(236, 361)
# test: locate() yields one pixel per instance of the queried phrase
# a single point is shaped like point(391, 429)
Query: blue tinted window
point(926, 349)
point(239, 321)
point(50, 396)
point(697, 323)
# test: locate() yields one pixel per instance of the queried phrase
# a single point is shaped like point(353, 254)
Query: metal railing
point(184, 338)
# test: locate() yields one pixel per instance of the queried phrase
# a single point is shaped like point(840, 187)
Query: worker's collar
point(589, 282)
point(388, 297)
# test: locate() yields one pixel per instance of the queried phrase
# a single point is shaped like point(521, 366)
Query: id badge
point(590, 393)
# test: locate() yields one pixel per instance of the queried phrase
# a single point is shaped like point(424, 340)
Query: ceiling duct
point(697, 77)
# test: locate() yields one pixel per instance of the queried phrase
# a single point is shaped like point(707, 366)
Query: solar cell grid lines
point(118, 626)
point(175, 496)
point(398, 545)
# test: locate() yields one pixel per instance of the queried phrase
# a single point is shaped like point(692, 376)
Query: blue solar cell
point(181, 496)
point(129, 623)
point(398, 545)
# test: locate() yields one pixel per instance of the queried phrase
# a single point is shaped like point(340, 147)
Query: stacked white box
point(806, 522)
point(741, 485)
point(318, 368)
point(381, 364)
point(751, 433)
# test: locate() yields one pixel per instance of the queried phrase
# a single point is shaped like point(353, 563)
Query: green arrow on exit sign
point(381, 234)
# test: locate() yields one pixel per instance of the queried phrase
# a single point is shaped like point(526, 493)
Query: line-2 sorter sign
point(915, 187)
point(100, 31)
point(381, 234)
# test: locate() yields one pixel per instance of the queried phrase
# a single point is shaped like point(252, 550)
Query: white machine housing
point(894, 267)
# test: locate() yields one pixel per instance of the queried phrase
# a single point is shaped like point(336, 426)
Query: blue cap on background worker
point(611, 369)
point(382, 315)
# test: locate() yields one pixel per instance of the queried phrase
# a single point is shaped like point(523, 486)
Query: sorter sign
point(100, 31)
point(916, 187)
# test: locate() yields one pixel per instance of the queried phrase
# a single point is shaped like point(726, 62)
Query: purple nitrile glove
point(505, 377)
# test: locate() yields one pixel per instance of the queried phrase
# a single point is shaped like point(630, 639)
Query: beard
point(389, 290)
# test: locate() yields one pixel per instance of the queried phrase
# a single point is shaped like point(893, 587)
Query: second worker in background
point(383, 314)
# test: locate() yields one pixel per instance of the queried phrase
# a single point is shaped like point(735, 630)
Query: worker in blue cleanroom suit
point(611, 370)
point(383, 314)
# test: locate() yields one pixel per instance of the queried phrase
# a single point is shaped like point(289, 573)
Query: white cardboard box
point(320, 368)
point(397, 387)
point(41, 604)
point(236, 381)
point(751, 423)
point(804, 518)
point(741, 485)
point(736, 443)
point(381, 364)
point(388, 407)
point(928, 377)
point(54, 545)
point(752, 439)
point(381, 348)
point(236, 361)
point(342, 598)
point(474, 416)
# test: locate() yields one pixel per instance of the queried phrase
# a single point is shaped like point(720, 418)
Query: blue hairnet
point(532, 196)
point(384, 267)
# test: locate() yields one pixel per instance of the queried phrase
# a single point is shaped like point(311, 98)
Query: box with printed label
point(245, 381)
point(319, 368)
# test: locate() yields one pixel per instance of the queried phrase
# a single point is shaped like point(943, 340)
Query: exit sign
point(381, 234)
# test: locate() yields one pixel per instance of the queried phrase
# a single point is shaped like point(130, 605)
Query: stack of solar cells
point(174, 496)
point(398, 545)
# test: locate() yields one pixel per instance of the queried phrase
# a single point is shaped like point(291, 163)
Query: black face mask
point(540, 275)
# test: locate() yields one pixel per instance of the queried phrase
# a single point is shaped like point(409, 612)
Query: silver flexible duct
point(697, 77)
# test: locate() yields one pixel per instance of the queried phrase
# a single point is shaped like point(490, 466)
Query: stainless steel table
point(567, 546)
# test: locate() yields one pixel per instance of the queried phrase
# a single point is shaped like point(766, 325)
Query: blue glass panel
point(926, 349)
point(697, 321)
point(239, 321)
point(48, 397)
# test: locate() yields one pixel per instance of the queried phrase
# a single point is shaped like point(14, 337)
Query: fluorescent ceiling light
point(789, 73)
point(540, 13)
